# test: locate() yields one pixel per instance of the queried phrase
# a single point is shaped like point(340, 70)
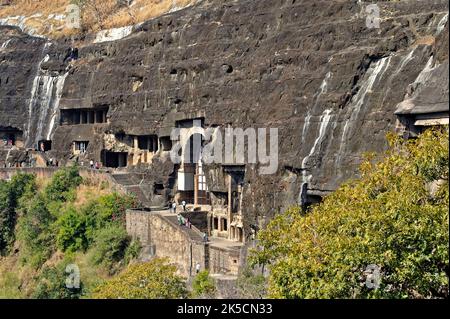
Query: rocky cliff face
point(313, 69)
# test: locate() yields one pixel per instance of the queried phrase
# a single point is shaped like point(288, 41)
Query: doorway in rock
point(311, 200)
point(114, 159)
point(44, 145)
point(192, 186)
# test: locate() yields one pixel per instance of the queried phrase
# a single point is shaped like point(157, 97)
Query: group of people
point(173, 206)
point(93, 165)
point(183, 221)
point(8, 142)
point(52, 163)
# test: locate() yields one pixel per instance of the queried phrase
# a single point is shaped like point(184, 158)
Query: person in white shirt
point(197, 268)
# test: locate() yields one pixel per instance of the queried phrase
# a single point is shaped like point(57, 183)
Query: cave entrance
point(45, 145)
point(148, 142)
point(80, 147)
point(115, 159)
point(239, 234)
point(166, 143)
point(97, 115)
point(312, 200)
point(11, 137)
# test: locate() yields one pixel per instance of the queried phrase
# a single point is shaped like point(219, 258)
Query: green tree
point(395, 217)
point(10, 195)
point(203, 285)
point(35, 231)
point(110, 247)
point(152, 280)
point(63, 184)
point(105, 210)
point(72, 231)
point(251, 285)
point(51, 284)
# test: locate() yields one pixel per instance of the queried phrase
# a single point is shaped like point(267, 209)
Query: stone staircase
point(193, 233)
point(131, 183)
point(126, 179)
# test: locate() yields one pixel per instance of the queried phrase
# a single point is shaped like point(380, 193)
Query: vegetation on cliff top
point(47, 17)
point(384, 235)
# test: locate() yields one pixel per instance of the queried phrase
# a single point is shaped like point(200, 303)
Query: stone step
point(140, 196)
point(125, 179)
point(193, 235)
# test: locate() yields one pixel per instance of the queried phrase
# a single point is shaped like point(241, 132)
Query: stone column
point(135, 143)
point(209, 221)
point(196, 186)
point(88, 117)
point(230, 212)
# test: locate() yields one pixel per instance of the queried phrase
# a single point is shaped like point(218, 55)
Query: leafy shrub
point(388, 219)
point(63, 184)
point(10, 195)
point(72, 232)
point(132, 252)
point(7, 217)
point(152, 280)
point(110, 246)
point(36, 232)
point(107, 209)
point(51, 284)
point(203, 285)
point(251, 285)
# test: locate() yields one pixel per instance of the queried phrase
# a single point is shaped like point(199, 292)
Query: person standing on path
point(174, 207)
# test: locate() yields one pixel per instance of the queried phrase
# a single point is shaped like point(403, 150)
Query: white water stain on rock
point(113, 34)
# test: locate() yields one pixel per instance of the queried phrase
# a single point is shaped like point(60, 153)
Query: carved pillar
point(230, 202)
point(196, 187)
point(135, 143)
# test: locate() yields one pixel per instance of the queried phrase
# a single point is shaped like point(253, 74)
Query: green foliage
point(110, 246)
point(38, 228)
point(36, 232)
point(7, 217)
point(10, 195)
point(51, 284)
point(112, 207)
point(203, 285)
point(72, 231)
point(251, 285)
point(152, 280)
point(63, 184)
point(10, 285)
point(48, 221)
point(389, 218)
point(107, 209)
point(132, 252)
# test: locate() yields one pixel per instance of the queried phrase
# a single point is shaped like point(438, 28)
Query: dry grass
point(30, 7)
point(427, 40)
point(85, 193)
point(97, 15)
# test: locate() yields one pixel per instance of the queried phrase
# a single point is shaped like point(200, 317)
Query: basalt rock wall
point(312, 69)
